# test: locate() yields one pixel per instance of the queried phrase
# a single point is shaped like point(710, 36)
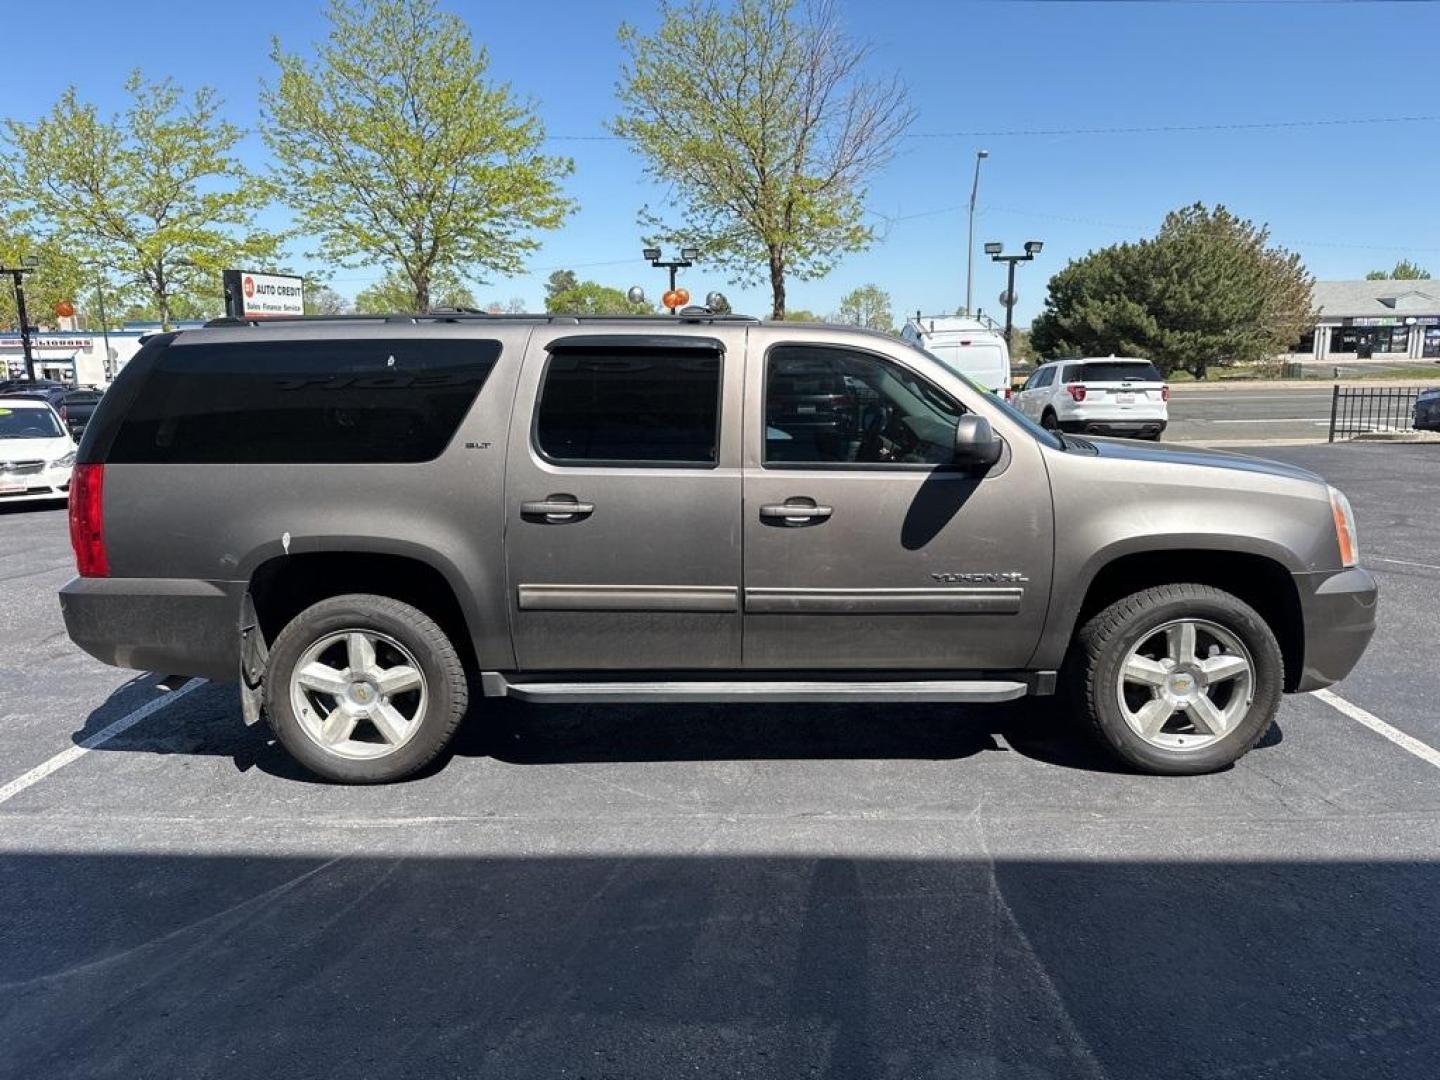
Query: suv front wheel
point(1178, 679)
point(364, 689)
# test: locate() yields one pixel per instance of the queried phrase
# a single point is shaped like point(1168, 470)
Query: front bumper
point(1338, 609)
point(47, 484)
point(178, 626)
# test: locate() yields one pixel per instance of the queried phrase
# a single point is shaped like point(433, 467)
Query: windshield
point(1119, 371)
point(1036, 431)
point(28, 424)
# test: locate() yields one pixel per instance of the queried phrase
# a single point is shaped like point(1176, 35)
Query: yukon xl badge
point(984, 577)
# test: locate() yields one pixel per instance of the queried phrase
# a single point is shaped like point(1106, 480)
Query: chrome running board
point(497, 684)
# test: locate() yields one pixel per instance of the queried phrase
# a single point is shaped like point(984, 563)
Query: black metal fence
point(1359, 410)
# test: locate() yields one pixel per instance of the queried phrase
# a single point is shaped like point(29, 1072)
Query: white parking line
point(104, 735)
point(1423, 751)
point(1402, 562)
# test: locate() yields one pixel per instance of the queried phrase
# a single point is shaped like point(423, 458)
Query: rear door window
point(1119, 371)
point(304, 402)
point(651, 406)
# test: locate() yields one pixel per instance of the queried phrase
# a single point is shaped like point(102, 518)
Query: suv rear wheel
point(1178, 679)
point(364, 689)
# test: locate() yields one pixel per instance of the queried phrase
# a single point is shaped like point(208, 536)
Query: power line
point(1149, 129)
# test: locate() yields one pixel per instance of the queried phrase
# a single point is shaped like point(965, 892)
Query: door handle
point(795, 513)
point(556, 509)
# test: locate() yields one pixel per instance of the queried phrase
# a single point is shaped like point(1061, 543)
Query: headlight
point(64, 462)
point(1345, 528)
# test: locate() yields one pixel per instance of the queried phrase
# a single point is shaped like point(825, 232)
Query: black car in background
point(1427, 410)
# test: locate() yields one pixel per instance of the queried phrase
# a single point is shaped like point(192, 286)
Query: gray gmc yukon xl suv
point(372, 523)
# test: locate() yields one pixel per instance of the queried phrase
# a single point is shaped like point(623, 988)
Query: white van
point(973, 348)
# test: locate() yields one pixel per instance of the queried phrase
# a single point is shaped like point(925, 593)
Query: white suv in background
point(1103, 395)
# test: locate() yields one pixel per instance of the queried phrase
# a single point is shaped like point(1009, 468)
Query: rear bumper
point(1114, 427)
point(1338, 609)
point(177, 626)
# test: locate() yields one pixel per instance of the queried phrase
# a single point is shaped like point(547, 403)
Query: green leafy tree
point(1404, 270)
point(57, 277)
point(395, 293)
point(153, 195)
point(321, 299)
point(1207, 290)
point(181, 309)
point(759, 120)
point(558, 282)
point(592, 298)
point(802, 315)
point(867, 306)
point(394, 148)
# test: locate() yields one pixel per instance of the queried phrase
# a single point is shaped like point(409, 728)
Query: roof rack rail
point(689, 315)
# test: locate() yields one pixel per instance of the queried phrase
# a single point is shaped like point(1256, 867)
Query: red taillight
point(1076, 391)
point(87, 521)
point(1164, 393)
point(1009, 393)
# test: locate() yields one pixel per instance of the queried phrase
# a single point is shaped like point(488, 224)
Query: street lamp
point(980, 155)
point(17, 274)
point(687, 257)
point(994, 250)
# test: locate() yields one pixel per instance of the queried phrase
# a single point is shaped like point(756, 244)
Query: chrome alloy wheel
point(1186, 685)
point(358, 694)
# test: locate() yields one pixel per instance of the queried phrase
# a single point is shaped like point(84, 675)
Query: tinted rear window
point(1118, 371)
point(641, 406)
point(304, 402)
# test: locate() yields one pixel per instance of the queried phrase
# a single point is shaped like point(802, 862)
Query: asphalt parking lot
point(779, 891)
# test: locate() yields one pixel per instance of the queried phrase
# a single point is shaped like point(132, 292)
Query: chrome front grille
point(21, 468)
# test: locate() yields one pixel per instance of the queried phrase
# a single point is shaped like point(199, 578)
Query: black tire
point(1049, 421)
point(446, 688)
point(1103, 642)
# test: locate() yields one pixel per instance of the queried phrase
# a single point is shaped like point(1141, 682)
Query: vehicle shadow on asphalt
point(208, 722)
point(366, 964)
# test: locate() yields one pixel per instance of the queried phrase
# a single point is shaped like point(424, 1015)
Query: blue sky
point(1349, 198)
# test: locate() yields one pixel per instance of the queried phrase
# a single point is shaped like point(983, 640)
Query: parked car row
point(74, 404)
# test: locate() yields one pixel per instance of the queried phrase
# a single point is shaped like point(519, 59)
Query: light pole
point(687, 258)
point(980, 155)
point(17, 273)
point(1032, 248)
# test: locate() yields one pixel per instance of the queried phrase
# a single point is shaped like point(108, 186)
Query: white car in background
point(36, 451)
point(1101, 395)
point(966, 346)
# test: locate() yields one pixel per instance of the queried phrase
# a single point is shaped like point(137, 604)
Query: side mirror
point(975, 443)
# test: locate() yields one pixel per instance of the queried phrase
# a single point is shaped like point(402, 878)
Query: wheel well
point(288, 584)
point(1262, 583)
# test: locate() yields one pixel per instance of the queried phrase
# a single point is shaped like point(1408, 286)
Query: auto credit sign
point(251, 295)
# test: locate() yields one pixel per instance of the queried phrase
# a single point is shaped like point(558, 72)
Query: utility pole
point(17, 274)
point(980, 155)
point(104, 326)
point(1032, 248)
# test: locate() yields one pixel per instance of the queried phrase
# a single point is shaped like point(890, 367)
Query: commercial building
point(73, 356)
point(1374, 320)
